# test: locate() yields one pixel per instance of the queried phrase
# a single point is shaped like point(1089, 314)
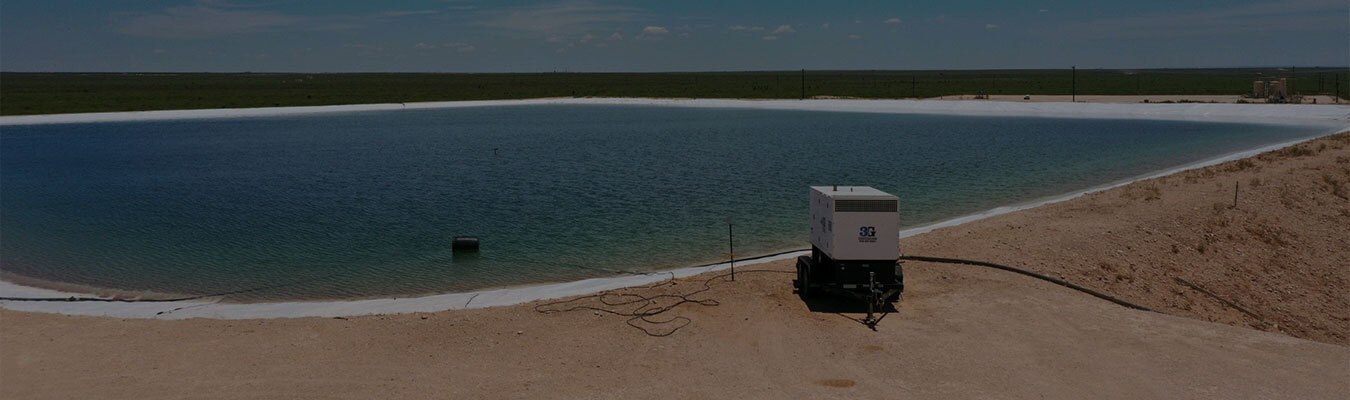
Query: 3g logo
point(867, 231)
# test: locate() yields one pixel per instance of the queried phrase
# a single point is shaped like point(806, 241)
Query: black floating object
point(465, 243)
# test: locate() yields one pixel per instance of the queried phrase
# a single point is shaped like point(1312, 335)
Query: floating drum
point(465, 243)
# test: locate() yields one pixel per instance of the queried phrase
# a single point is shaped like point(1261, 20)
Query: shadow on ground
point(852, 309)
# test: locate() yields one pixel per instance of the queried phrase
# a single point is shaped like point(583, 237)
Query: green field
point(53, 93)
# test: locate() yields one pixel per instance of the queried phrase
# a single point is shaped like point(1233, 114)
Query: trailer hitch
point(872, 299)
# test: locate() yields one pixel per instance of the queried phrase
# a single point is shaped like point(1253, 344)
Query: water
point(365, 204)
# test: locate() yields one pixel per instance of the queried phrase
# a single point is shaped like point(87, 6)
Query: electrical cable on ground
point(645, 308)
point(1036, 275)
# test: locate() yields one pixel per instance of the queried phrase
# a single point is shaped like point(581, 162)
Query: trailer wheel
point(900, 279)
point(806, 291)
point(804, 277)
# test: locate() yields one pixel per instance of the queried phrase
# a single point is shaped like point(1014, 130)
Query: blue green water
point(365, 204)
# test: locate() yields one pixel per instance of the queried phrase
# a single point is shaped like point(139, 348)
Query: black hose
point(1036, 275)
point(646, 306)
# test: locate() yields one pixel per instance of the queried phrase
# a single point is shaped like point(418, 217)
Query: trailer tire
point(900, 279)
point(806, 291)
point(804, 277)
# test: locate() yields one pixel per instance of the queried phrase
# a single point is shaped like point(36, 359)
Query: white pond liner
point(1332, 118)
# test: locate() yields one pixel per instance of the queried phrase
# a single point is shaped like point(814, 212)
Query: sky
point(692, 35)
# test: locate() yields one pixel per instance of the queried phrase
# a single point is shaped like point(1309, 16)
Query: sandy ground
point(1278, 262)
point(961, 331)
point(1085, 98)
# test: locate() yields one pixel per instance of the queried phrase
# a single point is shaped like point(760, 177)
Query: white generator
point(855, 245)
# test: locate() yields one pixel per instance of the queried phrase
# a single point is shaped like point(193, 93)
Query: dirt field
point(1277, 262)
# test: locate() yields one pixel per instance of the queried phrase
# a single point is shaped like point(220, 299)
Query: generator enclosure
point(855, 223)
point(855, 246)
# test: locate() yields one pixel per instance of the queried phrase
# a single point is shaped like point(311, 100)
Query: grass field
point(54, 93)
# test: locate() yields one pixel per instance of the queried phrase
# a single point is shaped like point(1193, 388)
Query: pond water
point(365, 204)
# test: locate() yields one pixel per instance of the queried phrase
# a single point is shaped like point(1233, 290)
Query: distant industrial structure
point(1274, 91)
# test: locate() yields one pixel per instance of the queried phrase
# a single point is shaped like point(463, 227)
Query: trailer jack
point(877, 300)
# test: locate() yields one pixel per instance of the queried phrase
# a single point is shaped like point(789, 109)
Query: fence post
point(1073, 88)
point(731, 245)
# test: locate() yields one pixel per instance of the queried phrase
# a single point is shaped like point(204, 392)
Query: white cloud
point(854, 37)
point(587, 38)
point(1312, 16)
point(219, 18)
point(210, 19)
point(456, 46)
point(652, 33)
point(783, 29)
point(1044, 10)
point(365, 48)
point(770, 37)
point(825, 25)
point(990, 26)
point(616, 37)
point(893, 21)
point(461, 6)
point(407, 13)
point(570, 17)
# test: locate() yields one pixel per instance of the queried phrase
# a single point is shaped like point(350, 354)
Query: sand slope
point(1278, 262)
point(961, 332)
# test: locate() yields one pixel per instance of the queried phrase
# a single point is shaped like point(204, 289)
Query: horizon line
point(1287, 68)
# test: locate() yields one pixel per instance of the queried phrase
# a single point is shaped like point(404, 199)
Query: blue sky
point(596, 35)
